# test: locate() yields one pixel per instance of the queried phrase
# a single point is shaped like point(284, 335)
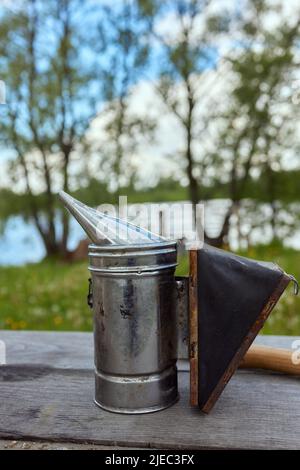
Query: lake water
point(21, 244)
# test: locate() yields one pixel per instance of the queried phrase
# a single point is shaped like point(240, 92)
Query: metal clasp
point(296, 284)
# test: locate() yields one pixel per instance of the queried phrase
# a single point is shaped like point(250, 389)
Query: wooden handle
point(264, 357)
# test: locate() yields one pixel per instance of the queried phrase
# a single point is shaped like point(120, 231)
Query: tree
point(120, 41)
point(48, 106)
point(186, 51)
point(257, 126)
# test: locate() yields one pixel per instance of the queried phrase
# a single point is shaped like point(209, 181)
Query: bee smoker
point(132, 293)
point(145, 318)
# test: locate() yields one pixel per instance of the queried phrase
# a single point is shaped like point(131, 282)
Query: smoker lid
point(137, 259)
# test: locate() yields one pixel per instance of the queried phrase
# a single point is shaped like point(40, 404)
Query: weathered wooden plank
point(75, 350)
point(57, 349)
point(276, 341)
point(8, 444)
point(42, 402)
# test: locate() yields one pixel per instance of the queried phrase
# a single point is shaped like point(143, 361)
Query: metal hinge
point(90, 294)
point(182, 315)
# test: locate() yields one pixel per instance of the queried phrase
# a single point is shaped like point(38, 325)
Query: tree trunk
point(272, 201)
point(65, 216)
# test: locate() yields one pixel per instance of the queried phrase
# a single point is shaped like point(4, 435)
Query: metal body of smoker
point(133, 299)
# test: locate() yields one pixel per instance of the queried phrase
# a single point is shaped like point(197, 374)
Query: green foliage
point(285, 319)
point(45, 296)
point(286, 186)
point(52, 295)
point(167, 190)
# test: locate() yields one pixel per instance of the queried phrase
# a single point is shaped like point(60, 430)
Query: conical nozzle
point(102, 228)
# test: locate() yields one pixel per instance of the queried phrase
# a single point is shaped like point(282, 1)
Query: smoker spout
point(102, 228)
point(91, 222)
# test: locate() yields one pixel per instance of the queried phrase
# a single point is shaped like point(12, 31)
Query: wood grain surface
point(47, 389)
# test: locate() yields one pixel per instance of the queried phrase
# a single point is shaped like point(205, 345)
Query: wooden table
point(47, 388)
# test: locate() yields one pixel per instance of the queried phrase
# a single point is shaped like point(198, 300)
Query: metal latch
point(296, 284)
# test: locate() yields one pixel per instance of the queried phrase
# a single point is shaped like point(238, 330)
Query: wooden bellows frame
point(230, 298)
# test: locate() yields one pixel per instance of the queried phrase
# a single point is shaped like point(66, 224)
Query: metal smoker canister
point(134, 326)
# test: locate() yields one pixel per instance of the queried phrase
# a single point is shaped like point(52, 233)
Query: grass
point(45, 296)
point(52, 295)
point(285, 318)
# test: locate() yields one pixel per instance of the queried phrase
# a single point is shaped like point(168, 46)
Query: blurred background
point(172, 101)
